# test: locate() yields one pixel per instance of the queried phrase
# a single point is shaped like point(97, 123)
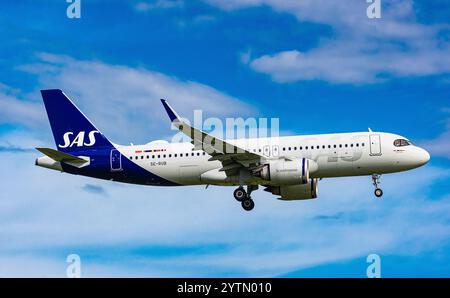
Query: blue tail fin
point(71, 129)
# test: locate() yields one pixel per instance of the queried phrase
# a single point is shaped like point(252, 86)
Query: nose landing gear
point(244, 196)
point(376, 182)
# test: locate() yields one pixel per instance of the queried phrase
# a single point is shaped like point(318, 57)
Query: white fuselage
point(335, 155)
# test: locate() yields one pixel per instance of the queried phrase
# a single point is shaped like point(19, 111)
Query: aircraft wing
point(77, 161)
point(232, 157)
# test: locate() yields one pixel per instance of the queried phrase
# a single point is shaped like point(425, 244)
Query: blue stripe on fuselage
point(100, 167)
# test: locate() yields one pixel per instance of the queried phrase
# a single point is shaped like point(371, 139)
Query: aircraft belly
point(336, 165)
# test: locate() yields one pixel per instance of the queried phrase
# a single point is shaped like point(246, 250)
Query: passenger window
point(306, 148)
point(301, 148)
point(295, 148)
point(334, 146)
point(340, 145)
point(142, 157)
point(318, 147)
point(131, 157)
point(159, 156)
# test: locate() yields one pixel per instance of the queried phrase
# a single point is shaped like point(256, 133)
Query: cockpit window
point(401, 143)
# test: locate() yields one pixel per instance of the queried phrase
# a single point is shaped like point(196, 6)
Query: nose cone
point(422, 157)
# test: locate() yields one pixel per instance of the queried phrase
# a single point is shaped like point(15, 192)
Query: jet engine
point(286, 172)
point(306, 191)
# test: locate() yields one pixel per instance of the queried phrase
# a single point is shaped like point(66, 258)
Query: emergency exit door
point(116, 160)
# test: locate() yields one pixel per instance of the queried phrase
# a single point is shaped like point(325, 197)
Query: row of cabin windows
point(323, 146)
point(254, 150)
point(167, 155)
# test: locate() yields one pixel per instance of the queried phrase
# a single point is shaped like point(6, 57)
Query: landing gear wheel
point(378, 192)
point(248, 204)
point(240, 194)
point(376, 182)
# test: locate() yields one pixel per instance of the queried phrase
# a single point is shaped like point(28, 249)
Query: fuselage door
point(116, 160)
point(375, 145)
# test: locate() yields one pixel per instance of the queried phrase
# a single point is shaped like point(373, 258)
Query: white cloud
point(45, 215)
point(361, 50)
point(19, 111)
point(145, 6)
point(440, 146)
point(123, 102)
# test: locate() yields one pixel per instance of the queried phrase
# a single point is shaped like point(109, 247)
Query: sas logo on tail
point(79, 139)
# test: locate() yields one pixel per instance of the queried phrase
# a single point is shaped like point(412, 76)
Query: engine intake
point(285, 172)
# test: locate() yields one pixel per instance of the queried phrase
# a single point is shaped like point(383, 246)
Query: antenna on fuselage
point(370, 130)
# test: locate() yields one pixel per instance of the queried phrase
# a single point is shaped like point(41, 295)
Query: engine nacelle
point(306, 191)
point(286, 172)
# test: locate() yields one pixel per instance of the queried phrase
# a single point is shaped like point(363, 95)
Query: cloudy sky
point(318, 66)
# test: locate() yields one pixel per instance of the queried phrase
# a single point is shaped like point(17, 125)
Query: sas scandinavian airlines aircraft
point(288, 167)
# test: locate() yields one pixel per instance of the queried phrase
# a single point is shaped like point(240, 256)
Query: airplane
point(289, 167)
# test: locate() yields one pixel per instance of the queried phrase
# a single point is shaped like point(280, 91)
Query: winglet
point(172, 114)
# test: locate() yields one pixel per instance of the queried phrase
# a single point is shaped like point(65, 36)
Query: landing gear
point(378, 192)
point(248, 204)
point(240, 194)
point(244, 196)
point(376, 182)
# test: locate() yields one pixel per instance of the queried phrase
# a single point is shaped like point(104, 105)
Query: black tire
point(378, 193)
point(248, 204)
point(239, 194)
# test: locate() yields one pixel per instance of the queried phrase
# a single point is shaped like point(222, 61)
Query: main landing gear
point(244, 196)
point(376, 182)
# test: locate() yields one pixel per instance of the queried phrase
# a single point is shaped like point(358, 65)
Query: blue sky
point(319, 68)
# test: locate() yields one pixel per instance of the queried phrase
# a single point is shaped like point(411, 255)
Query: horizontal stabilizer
point(76, 161)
